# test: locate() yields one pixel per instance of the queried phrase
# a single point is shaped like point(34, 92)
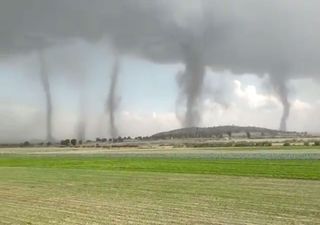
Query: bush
point(25, 144)
point(316, 143)
point(267, 143)
point(243, 144)
point(65, 142)
point(286, 144)
point(74, 142)
point(306, 143)
point(263, 143)
point(259, 144)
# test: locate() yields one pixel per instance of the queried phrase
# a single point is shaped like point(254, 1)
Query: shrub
point(25, 144)
point(286, 144)
point(306, 143)
point(263, 143)
point(73, 142)
point(267, 143)
point(259, 143)
point(316, 143)
point(243, 144)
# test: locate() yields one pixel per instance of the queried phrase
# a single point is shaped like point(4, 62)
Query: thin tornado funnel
point(286, 107)
point(81, 129)
point(112, 99)
point(281, 89)
point(46, 88)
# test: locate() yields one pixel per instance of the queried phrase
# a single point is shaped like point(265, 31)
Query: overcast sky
point(180, 65)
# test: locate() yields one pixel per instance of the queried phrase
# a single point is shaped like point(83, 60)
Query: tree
point(74, 142)
point(119, 139)
point(138, 138)
point(65, 142)
point(25, 144)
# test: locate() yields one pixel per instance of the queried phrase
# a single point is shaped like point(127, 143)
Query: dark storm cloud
point(279, 38)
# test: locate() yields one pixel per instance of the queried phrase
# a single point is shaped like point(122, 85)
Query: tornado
point(285, 115)
point(47, 93)
point(191, 84)
point(281, 90)
point(283, 95)
point(112, 100)
point(81, 127)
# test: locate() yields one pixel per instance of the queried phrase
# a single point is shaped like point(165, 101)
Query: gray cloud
point(279, 38)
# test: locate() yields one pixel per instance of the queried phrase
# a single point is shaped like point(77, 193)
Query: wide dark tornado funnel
point(191, 84)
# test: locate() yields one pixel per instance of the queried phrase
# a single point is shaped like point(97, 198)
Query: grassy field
point(150, 187)
point(297, 169)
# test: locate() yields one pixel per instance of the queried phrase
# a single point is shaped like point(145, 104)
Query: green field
point(181, 186)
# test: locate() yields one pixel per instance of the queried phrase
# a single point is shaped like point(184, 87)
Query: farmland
point(159, 186)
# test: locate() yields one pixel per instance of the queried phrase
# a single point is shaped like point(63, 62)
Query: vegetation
point(68, 196)
point(224, 131)
point(48, 186)
point(228, 144)
point(65, 142)
point(74, 142)
point(25, 144)
point(297, 169)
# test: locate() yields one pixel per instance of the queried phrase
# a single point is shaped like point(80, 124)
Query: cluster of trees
point(121, 139)
point(75, 142)
point(142, 138)
point(305, 143)
point(70, 142)
point(28, 144)
point(25, 144)
point(113, 140)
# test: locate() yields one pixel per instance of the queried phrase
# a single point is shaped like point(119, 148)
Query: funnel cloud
point(191, 84)
point(81, 127)
point(112, 99)
point(281, 89)
point(46, 88)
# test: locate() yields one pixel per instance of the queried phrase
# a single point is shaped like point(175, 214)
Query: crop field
point(160, 186)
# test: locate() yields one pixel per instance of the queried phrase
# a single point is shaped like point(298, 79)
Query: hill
point(224, 131)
